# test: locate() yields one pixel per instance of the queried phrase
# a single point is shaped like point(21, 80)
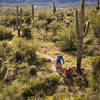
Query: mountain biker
point(68, 72)
point(59, 58)
point(58, 62)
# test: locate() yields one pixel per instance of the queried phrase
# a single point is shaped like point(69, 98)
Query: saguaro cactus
point(17, 21)
point(97, 7)
point(32, 12)
point(81, 33)
point(3, 73)
point(21, 11)
point(54, 8)
point(17, 13)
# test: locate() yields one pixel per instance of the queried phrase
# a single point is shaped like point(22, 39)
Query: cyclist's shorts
point(58, 62)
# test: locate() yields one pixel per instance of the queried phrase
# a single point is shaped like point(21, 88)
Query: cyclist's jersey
point(68, 69)
point(59, 58)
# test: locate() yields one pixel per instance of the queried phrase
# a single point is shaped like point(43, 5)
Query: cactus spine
point(3, 73)
point(97, 7)
point(32, 12)
point(54, 8)
point(81, 33)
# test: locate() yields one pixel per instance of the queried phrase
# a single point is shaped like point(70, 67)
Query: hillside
point(43, 1)
point(31, 40)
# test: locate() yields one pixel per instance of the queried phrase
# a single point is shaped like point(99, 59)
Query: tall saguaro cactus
point(97, 7)
point(17, 21)
point(17, 12)
point(21, 11)
point(54, 8)
point(32, 12)
point(80, 33)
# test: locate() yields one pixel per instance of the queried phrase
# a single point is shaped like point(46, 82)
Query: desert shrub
point(11, 92)
point(67, 39)
point(33, 71)
point(26, 50)
point(26, 32)
point(5, 33)
point(41, 61)
point(43, 15)
point(41, 88)
point(28, 20)
point(96, 24)
point(60, 15)
point(19, 56)
point(96, 76)
point(26, 12)
point(45, 36)
point(40, 24)
point(22, 66)
point(5, 21)
point(4, 50)
point(54, 27)
point(12, 21)
point(9, 13)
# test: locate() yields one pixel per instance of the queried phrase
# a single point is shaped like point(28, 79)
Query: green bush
point(12, 21)
point(44, 87)
point(43, 15)
point(60, 16)
point(96, 24)
point(96, 75)
point(26, 12)
point(54, 27)
point(40, 24)
point(67, 39)
point(4, 50)
point(33, 71)
point(26, 32)
point(5, 33)
point(5, 21)
point(8, 21)
point(96, 63)
point(11, 92)
point(28, 20)
point(25, 49)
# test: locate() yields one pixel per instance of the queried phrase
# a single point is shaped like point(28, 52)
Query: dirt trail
point(53, 65)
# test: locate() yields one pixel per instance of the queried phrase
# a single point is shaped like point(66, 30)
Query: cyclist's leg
point(58, 66)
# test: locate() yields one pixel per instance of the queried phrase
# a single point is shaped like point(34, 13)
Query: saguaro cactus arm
point(76, 22)
point(21, 12)
point(87, 28)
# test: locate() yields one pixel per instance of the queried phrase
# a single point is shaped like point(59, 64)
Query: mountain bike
point(59, 69)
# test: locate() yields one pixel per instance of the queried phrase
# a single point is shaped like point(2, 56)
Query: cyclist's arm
point(63, 59)
point(72, 69)
point(57, 61)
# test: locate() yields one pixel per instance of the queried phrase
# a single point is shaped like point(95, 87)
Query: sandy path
point(53, 65)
